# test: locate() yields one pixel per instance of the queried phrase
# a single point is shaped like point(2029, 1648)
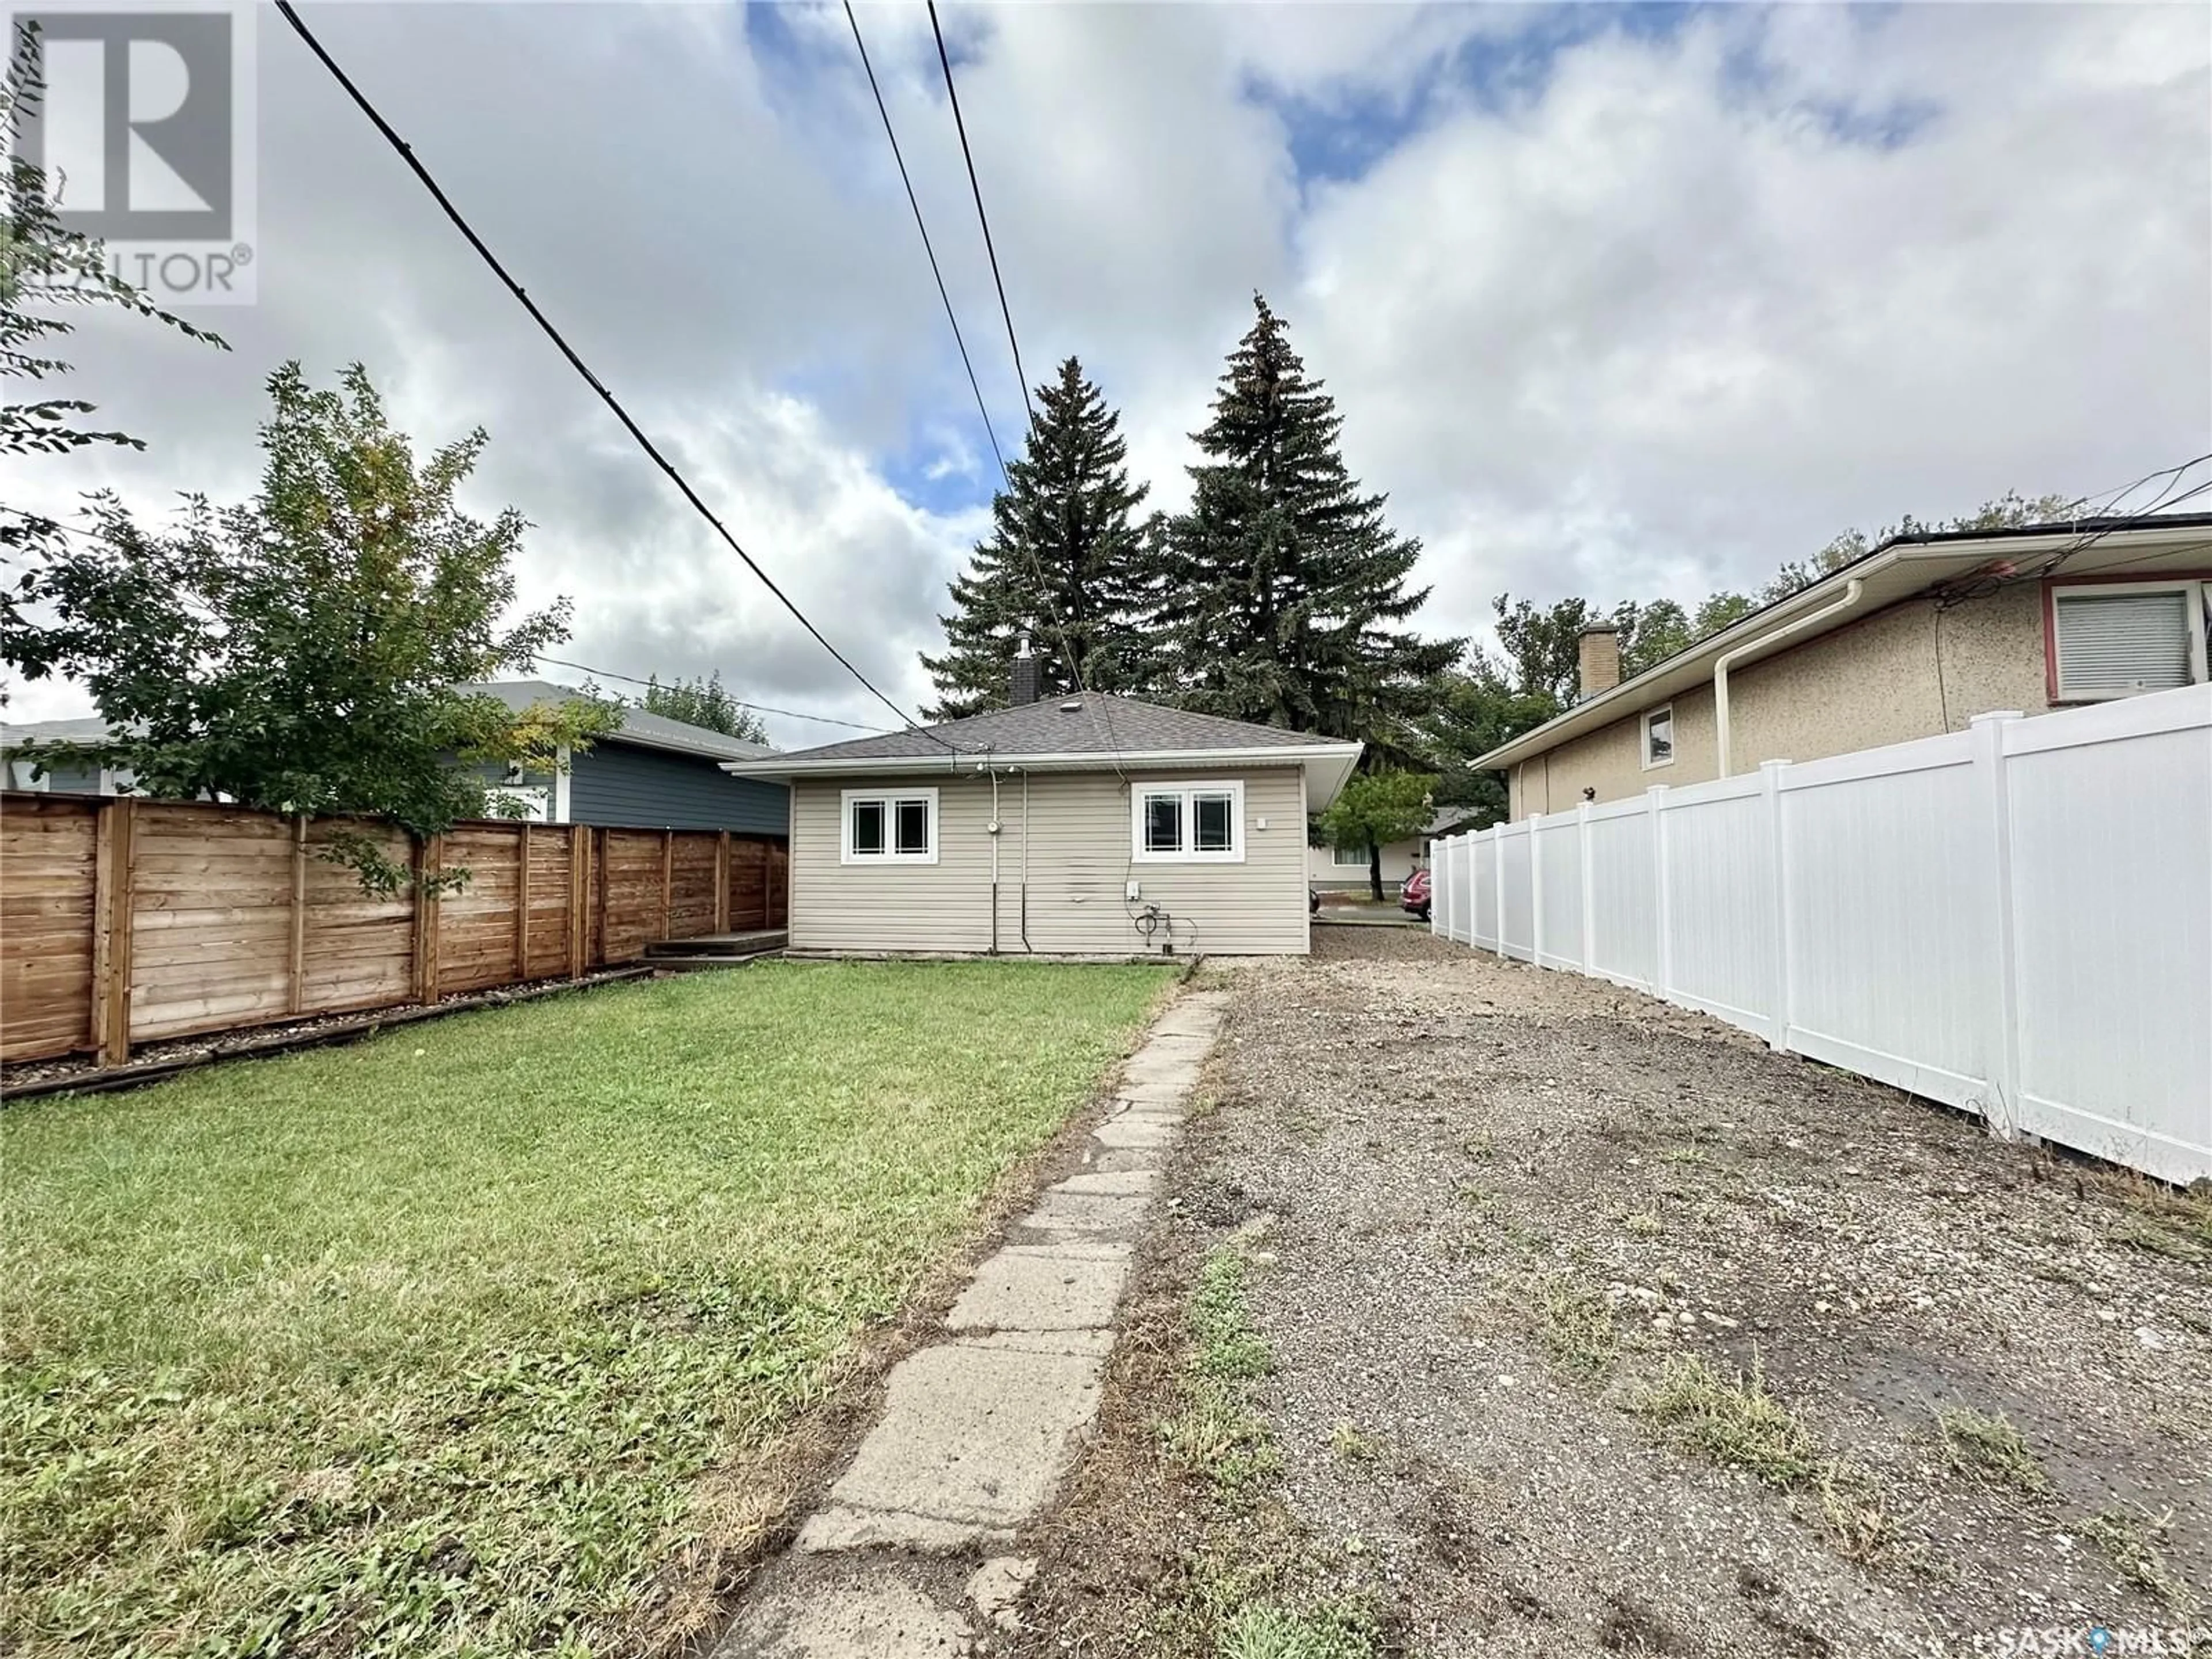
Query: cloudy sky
point(1616, 301)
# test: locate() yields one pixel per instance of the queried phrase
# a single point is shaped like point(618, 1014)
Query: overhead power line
point(742, 703)
point(299, 27)
point(952, 92)
point(928, 247)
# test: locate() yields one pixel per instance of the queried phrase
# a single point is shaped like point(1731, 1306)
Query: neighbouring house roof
point(1089, 732)
point(1446, 819)
point(26, 733)
point(640, 728)
point(1898, 569)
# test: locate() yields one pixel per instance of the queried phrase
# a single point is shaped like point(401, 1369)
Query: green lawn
point(420, 1347)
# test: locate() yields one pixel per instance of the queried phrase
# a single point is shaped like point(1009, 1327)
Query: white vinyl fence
point(2016, 919)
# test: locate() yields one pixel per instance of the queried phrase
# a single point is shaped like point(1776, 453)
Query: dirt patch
point(1598, 1326)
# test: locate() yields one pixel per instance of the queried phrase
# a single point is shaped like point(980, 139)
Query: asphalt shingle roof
point(654, 731)
point(1092, 724)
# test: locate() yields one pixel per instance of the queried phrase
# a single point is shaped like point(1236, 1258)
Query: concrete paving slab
point(972, 1433)
point(875, 1618)
point(842, 1530)
point(1087, 1345)
point(1161, 1072)
point(1100, 1215)
point(1120, 1183)
point(1133, 1132)
point(1017, 1291)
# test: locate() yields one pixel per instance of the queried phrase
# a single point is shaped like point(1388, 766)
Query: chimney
point(1599, 659)
point(1022, 684)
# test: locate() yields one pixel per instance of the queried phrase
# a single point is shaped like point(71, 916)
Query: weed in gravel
point(1348, 1444)
point(1576, 1329)
point(1852, 1514)
point(1988, 1447)
point(2130, 1536)
point(1268, 1630)
point(1736, 1422)
point(1217, 1434)
point(1643, 1223)
point(2153, 1238)
point(1228, 1344)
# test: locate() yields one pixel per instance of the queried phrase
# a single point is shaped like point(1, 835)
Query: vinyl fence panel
point(1720, 895)
point(1559, 859)
point(1482, 858)
point(1623, 899)
point(2016, 920)
point(2111, 874)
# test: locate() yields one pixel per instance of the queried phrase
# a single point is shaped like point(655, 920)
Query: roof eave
point(1324, 761)
point(1963, 550)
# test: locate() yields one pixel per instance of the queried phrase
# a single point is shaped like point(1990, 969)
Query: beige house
point(1092, 826)
point(1917, 638)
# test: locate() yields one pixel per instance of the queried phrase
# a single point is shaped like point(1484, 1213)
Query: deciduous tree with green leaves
point(1375, 808)
point(1280, 595)
point(1061, 565)
point(703, 703)
point(300, 651)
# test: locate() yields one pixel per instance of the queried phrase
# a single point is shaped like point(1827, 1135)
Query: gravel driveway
point(1597, 1327)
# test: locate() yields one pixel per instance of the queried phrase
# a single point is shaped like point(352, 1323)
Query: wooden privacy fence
point(124, 920)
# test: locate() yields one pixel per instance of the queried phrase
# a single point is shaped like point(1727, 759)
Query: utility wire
point(928, 247)
point(291, 16)
point(1100, 713)
point(1037, 568)
point(742, 703)
point(945, 59)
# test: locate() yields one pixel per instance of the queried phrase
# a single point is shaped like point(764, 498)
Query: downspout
point(1834, 608)
point(1026, 945)
point(995, 857)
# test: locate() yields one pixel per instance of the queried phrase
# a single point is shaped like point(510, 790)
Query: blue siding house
point(653, 774)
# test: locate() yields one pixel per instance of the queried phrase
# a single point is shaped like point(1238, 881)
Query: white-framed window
point(1187, 822)
point(2117, 639)
point(888, 826)
point(1348, 858)
point(1658, 739)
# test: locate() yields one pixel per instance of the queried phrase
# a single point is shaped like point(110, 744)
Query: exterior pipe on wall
point(1721, 665)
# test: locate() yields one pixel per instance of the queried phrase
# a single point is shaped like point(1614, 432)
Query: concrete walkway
point(911, 1554)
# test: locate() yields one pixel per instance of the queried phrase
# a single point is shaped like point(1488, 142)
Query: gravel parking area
point(1595, 1326)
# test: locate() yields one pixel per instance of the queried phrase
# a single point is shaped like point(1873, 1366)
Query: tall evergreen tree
point(1277, 592)
point(1061, 564)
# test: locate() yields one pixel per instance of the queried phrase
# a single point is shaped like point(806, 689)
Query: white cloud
point(1630, 311)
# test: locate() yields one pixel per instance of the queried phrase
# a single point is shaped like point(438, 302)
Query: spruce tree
point(1061, 565)
point(1276, 592)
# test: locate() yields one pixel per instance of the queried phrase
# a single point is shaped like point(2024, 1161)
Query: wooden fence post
point(522, 903)
point(722, 882)
point(601, 876)
point(580, 890)
point(112, 964)
point(667, 881)
point(429, 857)
point(296, 961)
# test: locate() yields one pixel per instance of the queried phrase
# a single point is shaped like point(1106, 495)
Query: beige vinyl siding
point(1079, 864)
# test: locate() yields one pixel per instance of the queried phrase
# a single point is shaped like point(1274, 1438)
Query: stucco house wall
point(1079, 863)
point(1904, 672)
point(1399, 859)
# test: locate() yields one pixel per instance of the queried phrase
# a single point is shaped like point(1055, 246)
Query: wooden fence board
point(197, 918)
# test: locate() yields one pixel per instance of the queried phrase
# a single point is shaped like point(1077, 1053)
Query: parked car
point(1413, 897)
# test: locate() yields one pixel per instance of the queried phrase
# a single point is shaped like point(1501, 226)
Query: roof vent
point(1073, 706)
